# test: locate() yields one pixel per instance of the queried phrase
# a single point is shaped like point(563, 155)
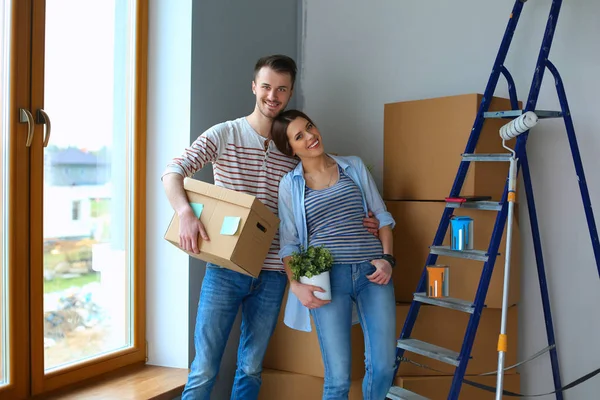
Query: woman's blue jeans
point(376, 307)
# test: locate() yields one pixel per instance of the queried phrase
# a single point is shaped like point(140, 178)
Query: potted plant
point(311, 266)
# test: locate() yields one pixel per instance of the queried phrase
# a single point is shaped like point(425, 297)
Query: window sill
point(141, 382)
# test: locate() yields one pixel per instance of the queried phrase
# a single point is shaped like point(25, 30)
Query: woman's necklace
point(330, 177)
point(333, 170)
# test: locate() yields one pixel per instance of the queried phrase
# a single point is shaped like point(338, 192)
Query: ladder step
point(476, 205)
point(398, 393)
point(515, 113)
point(429, 350)
point(446, 302)
point(504, 157)
point(479, 255)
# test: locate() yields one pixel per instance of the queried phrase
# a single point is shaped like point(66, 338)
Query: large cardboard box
point(240, 227)
point(280, 385)
point(423, 143)
point(417, 223)
point(446, 328)
point(437, 388)
point(299, 352)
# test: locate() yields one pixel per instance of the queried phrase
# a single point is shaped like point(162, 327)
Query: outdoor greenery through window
point(88, 177)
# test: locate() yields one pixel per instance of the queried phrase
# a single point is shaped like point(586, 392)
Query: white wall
point(360, 55)
point(169, 81)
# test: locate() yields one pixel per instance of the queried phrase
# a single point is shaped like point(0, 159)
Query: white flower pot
point(322, 281)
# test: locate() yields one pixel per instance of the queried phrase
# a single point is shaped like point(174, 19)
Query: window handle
point(26, 117)
point(44, 119)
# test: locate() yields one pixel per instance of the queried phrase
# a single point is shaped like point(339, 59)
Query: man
point(246, 160)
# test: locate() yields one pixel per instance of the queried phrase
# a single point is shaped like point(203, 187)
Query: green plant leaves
point(310, 262)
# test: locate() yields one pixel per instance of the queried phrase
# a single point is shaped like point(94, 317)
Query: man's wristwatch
point(389, 258)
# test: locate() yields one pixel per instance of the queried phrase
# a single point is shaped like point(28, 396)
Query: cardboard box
point(437, 388)
point(446, 328)
point(423, 143)
point(417, 222)
point(277, 385)
point(299, 352)
point(240, 227)
point(280, 385)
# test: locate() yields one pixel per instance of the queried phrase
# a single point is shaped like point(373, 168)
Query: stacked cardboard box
point(423, 143)
point(417, 222)
point(446, 328)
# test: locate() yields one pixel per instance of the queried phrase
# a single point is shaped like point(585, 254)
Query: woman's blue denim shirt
point(293, 230)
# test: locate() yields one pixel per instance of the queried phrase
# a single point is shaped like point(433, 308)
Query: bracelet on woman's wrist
point(389, 258)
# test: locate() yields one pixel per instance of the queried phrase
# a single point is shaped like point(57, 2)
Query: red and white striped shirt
point(243, 161)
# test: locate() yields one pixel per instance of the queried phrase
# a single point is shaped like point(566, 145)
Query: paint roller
point(519, 125)
point(509, 131)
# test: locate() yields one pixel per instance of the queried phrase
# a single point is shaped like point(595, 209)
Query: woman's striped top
point(334, 218)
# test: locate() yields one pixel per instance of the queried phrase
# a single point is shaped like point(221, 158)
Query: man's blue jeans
point(223, 292)
point(376, 307)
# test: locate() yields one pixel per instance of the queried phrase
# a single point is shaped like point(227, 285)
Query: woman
point(322, 202)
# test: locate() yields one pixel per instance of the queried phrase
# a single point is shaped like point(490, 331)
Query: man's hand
point(189, 228)
point(372, 224)
point(383, 272)
point(305, 294)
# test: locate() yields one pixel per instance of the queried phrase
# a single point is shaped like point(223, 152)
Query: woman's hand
point(383, 272)
point(305, 294)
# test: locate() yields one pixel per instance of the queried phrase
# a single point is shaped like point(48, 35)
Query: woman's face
point(304, 138)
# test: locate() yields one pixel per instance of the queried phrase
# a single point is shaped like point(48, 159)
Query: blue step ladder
point(461, 359)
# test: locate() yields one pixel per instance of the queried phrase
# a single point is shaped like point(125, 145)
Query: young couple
point(321, 200)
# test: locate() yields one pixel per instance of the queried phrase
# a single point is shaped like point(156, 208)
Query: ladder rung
point(398, 393)
point(479, 255)
point(505, 157)
point(446, 302)
point(478, 205)
point(429, 350)
point(515, 113)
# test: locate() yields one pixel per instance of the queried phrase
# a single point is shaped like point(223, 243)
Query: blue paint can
point(462, 233)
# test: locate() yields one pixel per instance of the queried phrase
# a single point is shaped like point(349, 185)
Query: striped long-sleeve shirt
point(243, 161)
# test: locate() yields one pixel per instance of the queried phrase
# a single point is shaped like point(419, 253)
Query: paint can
point(462, 233)
point(438, 284)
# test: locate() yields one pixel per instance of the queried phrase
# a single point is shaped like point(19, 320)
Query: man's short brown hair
point(278, 63)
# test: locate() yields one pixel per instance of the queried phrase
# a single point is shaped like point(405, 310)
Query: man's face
point(273, 91)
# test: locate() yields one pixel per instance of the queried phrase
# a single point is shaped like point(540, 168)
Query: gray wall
point(359, 55)
point(228, 37)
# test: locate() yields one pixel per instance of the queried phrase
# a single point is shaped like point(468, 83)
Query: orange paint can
point(437, 281)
